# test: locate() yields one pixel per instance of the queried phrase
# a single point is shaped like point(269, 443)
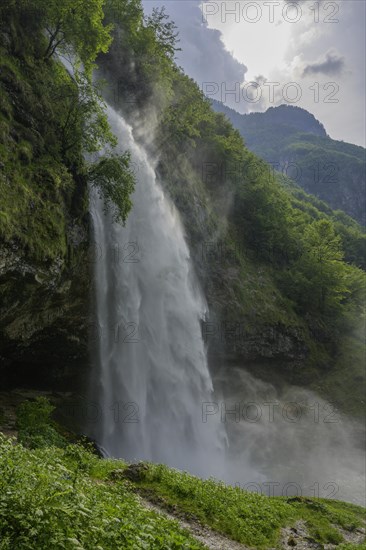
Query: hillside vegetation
point(275, 262)
point(296, 144)
point(60, 495)
point(49, 120)
point(282, 274)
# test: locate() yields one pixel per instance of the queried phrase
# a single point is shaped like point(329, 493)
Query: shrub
point(35, 426)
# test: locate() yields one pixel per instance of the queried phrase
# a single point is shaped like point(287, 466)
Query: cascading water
point(151, 373)
point(151, 377)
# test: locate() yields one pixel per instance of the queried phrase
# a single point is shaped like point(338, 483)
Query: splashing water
point(151, 374)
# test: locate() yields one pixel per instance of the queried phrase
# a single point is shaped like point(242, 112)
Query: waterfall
point(151, 376)
point(150, 381)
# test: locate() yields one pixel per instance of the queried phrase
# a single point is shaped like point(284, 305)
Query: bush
point(47, 502)
point(35, 426)
point(113, 178)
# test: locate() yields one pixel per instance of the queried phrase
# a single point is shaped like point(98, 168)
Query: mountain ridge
point(333, 171)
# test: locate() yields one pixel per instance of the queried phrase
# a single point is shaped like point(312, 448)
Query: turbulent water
point(151, 374)
point(151, 383)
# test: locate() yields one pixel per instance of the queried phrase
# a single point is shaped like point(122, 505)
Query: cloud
point(204, 56)
point(206, 59)
point(332, 65)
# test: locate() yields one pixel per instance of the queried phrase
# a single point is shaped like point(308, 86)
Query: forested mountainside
point(282, 273)
point(44, 276)
point(48, 120)
point(296, 144)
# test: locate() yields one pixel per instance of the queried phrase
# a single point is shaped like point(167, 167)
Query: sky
point(256, 54)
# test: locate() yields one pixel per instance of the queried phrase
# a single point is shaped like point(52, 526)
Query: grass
point(250, 518)
point(64, 498)
point(49, 500)
point(54, 494)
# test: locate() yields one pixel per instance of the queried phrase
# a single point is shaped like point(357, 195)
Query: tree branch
point(53, 36)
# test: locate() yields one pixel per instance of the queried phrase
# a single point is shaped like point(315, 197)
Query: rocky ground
point(291, 537)
point(211, 539)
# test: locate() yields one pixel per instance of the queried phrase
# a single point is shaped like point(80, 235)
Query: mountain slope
point(296, 144)
point(61, 495)
point(253, 237)
point(284, 291)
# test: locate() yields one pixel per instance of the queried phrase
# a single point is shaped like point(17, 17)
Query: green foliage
point(164, 31)
point(34, 413)
point(44, 435)
point(64, 498)
point(323, 285)
point(83, 124)
point(35, 426)
point(72, 28)
point(47, 500)
point(187, 114)
point(250, 518)
point(322, 274)
point(352, 235)
point(49, 119)
point(115, 182)
point(37, 186)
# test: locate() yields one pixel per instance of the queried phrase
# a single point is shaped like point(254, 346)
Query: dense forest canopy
point(297, 145)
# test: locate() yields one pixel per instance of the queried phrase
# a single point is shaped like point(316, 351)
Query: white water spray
point(151, 377)
point(151, 371)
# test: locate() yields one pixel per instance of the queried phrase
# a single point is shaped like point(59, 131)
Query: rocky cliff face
point(44, 317)
point(249, 324)
point(44, 269)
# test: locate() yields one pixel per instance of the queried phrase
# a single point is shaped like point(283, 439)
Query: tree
point(75, 28)
point(165, 31)
point(84, 126)
point(322, 268)
point(115, 182)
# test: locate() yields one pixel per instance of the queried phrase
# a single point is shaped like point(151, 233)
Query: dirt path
point(211, 539)
point(291, 537)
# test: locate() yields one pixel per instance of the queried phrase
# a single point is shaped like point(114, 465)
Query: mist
point(231, 425)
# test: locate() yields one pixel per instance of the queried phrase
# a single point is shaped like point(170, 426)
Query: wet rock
point(116, 475)
point(134, 472)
